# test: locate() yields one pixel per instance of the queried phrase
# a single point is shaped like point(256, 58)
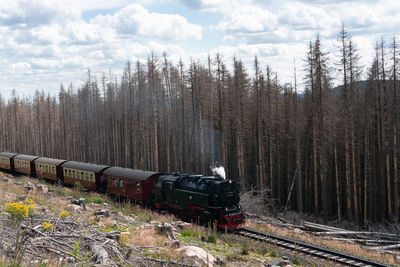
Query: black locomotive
point(205, 198)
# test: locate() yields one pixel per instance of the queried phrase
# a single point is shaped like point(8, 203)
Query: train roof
point(130, 173)
point(50, 161)
point(25, 157)
point(7, 154)
point(84, 166)
point(171, 177)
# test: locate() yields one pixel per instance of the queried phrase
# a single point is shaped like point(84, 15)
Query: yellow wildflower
point(17, 211)
point(125, 239)
point(30, 204)
point(64, 214)
point(47, 226)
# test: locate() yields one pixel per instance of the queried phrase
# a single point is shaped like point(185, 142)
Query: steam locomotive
point(198, 197)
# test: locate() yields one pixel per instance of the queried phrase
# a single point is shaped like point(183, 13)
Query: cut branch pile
point(70, 241)
point(377, 241)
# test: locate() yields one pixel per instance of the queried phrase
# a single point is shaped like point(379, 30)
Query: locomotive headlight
point(226, 209)
point(230, 181)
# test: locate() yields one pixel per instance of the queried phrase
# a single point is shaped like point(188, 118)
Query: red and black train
point(197, 197)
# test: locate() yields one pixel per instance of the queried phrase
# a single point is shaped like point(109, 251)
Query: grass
point(190, 233)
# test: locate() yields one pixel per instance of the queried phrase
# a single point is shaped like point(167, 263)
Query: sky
point(45, 43)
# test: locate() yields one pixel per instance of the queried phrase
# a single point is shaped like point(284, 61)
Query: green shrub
point(297, 261)
point(274, 253)
point(245, 249)
point(212, 238)
point(263, 250)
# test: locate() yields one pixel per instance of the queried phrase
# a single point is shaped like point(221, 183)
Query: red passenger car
point(85, 173)
point(129, 183)
point(7, 161)
point(25, 164)
point(49, 168)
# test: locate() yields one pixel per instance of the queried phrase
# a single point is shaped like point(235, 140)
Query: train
point(192, 197)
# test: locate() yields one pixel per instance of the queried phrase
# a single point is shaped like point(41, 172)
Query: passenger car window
point(138, 187)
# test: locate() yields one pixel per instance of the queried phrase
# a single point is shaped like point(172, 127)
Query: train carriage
point(49, 168)
point(86, 174)
point(25, 164)
point(7, 161)
point(130, 183)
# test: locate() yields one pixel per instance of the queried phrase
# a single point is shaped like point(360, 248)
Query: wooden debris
point(309, 226)
point(385, 247)
point(100, 255)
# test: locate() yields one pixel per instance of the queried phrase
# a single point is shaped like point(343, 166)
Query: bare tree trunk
point(298, 152)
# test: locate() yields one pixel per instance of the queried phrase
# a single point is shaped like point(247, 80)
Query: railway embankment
point(44, 224)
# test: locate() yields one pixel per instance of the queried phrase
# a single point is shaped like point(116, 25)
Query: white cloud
point(306, 17)
point(288, 21)
point(221, 6)
point(136, 20)
point(248, 19)
point(30, 13)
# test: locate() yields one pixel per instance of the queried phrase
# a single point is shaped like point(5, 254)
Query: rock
point(42, 188)
point(74, 208)
point(183, 225)
point(193, 251)
point(297, 231)
point(69, 198)
point(219, 260)
point(396, 259)
point(102, 212)
point(18, 183)
point(115, 235)
point(4, 180)
point(22, 198)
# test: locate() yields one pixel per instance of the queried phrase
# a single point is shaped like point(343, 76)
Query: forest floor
point(49, 225)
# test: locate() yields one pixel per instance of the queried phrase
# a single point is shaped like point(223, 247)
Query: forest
point(333, 149)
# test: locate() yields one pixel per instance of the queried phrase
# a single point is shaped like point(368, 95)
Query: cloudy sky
point(44, 43)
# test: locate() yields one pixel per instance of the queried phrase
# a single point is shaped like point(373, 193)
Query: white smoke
point(219, 171)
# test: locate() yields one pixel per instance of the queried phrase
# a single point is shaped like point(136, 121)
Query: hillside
point(50, 225)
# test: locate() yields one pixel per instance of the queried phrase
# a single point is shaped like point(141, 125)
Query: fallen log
point(379, 234)
point(359, 240)
point(319, 227)
point(386, 247)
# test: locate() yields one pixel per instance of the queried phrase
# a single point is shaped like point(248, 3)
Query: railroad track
point(323, 253)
